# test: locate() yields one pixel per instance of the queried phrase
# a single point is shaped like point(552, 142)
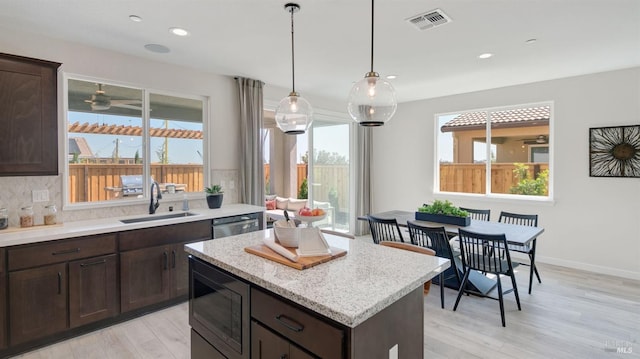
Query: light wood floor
point(572, 314)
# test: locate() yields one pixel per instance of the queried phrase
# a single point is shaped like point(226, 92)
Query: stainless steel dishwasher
point(230, 226)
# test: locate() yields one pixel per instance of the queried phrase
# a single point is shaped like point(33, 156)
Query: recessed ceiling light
point(178, 31)
point(392, 77)
point(159, 49)
point(135, 18)
point(486, 55)
point(530, 41)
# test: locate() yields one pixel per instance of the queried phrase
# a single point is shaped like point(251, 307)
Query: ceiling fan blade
point(125, 102)
point(124, 105)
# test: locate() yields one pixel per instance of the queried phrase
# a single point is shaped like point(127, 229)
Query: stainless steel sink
point(157, 218)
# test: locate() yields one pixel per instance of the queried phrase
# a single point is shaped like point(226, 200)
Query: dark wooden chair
point(479, 214)
point(436, 239)
point(413, 248)
point(481, 252)
point(524, 220)
point(384, 229)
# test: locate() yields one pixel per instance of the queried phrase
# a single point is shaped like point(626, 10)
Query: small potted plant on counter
point(443, 212)
point(214, 196)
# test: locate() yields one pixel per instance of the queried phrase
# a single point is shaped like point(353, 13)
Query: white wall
point(593, 224)
point(224, 153)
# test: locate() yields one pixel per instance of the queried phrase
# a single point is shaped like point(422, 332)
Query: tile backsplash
point(17, 192)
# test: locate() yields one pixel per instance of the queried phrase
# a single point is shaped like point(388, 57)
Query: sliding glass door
point(330, 172)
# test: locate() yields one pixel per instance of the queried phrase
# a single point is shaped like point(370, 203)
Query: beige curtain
point(363, 178)
point(251, 124)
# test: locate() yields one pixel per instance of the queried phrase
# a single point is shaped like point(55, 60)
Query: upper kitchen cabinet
point(28, 116)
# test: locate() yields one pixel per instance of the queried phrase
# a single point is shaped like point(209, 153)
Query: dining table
point(516, 235)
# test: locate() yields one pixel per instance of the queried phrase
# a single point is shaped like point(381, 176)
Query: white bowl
point(310, 218)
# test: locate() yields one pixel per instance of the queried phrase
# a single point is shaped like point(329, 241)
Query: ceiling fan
point(101, 102)
point(539, 140)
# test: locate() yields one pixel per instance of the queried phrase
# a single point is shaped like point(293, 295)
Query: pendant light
point(294, 113)
point(372, 100)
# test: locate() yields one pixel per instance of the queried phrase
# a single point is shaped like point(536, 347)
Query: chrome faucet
point(154, 206)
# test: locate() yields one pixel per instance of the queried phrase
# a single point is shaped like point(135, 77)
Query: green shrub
point(527, 185)
point(303, 192)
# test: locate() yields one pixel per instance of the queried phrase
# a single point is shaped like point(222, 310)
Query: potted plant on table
point(214, 196)
point(443, 212)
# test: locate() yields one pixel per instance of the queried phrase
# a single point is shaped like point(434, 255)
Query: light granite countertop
point(16, 236)
point(347, 289)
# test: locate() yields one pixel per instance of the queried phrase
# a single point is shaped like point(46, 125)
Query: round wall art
point(614, 151)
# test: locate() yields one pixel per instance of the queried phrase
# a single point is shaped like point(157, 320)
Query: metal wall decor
point(614, 151)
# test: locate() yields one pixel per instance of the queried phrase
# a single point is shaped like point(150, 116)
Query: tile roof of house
point(531, 116)
point(80, 146)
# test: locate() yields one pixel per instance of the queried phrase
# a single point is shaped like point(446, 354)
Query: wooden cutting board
point(302, 263)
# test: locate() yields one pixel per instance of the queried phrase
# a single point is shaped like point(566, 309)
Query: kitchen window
point(495, 152)
point(120, 139)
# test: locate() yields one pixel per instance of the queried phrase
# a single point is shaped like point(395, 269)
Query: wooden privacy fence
point(471, 178)
point(89, 182)
point(326, 178)
point(302, 174)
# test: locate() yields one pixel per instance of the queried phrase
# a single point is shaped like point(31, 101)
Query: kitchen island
point(366, 304)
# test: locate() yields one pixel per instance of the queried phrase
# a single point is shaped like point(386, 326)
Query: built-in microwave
point(219, 309)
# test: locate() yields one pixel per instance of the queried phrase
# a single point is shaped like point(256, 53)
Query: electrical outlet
point(40, 195)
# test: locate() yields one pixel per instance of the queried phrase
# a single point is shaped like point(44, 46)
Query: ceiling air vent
point(429, 19)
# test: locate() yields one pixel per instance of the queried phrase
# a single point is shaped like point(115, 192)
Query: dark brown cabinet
point(153, 264)
point(93, 289)
point(298, 325)
point(38, 302)
point(266, 344)
point(28, 116)
point(3, 300)
point(60, 284)
point(144, 277)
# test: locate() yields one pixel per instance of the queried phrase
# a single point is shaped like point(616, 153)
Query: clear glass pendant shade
point(372, 101)
point(294, 114)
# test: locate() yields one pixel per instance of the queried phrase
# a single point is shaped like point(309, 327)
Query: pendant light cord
point(293, 63)
point(372, 35)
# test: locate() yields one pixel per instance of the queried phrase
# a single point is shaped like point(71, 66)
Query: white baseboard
point(590, 267)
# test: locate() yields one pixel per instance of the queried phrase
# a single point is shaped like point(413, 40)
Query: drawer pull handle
point(290, 323)
point(59, 283)
point(75, 250)
point(93, 263)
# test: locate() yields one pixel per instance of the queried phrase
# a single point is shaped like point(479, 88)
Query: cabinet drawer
point(299, 326)
point(163, 235)
point(60, 251)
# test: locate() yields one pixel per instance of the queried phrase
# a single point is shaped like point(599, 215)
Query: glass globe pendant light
point(372, 100)
point(294, 113)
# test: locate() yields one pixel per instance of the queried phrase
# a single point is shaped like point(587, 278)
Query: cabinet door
point(144, 277)
point(3, 300)
point(267, 345)
point(93, 290)
point(38, 302)
point(297, 353)
point(180, 267)
point(28, 116)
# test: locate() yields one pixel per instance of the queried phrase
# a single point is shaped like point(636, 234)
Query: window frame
point(146, 143)
point(488, 194)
